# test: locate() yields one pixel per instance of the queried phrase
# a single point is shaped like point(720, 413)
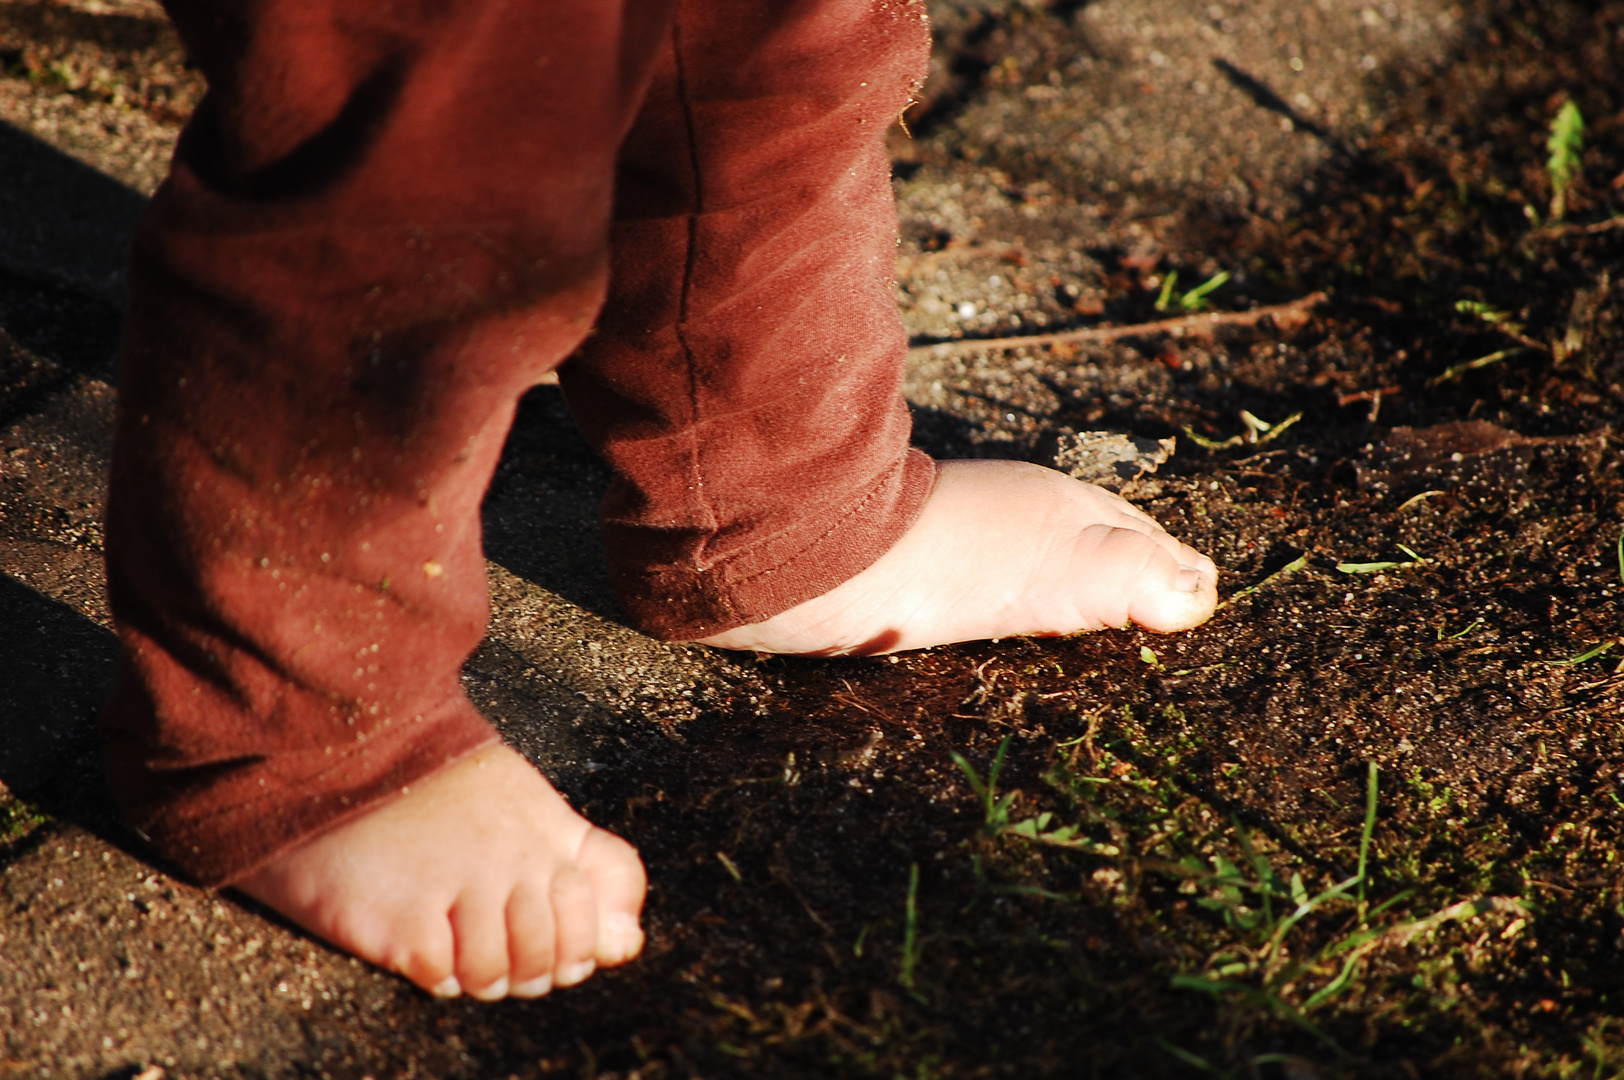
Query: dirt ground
point(1365, 823)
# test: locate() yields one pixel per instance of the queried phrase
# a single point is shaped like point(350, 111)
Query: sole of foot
point(479, 879)
point(1001, 549)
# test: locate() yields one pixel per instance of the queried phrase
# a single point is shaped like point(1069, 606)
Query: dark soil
point(1151, 887)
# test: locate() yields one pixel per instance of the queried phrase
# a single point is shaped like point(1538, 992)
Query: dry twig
point(1560, 231)
point(1287, 316)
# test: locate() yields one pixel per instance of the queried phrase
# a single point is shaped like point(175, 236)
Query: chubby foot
point(1001, 549)
point(479, 879)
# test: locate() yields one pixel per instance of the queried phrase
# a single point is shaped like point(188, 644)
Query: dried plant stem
point(1286, 315)
point(1559, 231)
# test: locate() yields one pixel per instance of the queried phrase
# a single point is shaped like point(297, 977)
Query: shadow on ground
point(56, 669)
point(66, 230)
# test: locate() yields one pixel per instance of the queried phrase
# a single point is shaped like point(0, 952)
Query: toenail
point(621, 936)
point(535, 988)
point(1188, 580)
point(496, 991)
point(449, 987)
point(570, 974)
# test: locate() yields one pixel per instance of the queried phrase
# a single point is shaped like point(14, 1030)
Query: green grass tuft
point(1565, 163)
point(17, 819)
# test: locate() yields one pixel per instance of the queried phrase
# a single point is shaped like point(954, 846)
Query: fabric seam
point(690, 259)
point(855, 508)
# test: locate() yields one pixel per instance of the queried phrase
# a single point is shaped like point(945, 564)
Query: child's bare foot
point(1002, 548)
point(480, 878)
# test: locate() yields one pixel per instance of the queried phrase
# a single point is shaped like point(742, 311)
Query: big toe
point(1128, 575)
point(1175, 592)
point(620, 884)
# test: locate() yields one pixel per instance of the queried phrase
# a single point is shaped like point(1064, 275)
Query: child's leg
point(745, 379)
point(383, 225)
point(378, 233)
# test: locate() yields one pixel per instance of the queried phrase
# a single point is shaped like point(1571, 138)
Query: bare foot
point(1001, 549)
point(480, 878)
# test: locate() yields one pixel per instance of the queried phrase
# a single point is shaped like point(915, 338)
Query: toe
point(619, 884)
point(1125, 576)
point(496, 991)
point(575, 972)
point(422, 949)
point(540, 986)
point(480, 928)
point(532, 942)
point(1172, 595)
point(575, 916)
point(1192, 559)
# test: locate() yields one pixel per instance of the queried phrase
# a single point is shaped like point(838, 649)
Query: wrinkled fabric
point(383, 225)
point(751, 406)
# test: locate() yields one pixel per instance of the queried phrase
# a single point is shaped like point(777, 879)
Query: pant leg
point(745, 377)
point(383, 225)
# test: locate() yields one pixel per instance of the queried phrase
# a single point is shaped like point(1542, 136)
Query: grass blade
point(977, 785)
point(1566, 145)
point(1196, 298)
point(1483, 361)
point(1589, 654)
point(1220, 987)
point(1364, 837)
point(1290, 568)
point(1279, 429)
point(1195, 1061)
point(1165, 300)
point(992, 774)
point(910, 933)
point(1303, 910)
point(1335, 986)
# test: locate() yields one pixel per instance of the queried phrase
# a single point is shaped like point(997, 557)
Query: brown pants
point(384, 224)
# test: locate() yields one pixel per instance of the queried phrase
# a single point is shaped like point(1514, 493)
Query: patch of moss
point(17, 819)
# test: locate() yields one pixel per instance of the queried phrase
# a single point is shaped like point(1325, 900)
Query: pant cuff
point(769, 578)
point(218, 823)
